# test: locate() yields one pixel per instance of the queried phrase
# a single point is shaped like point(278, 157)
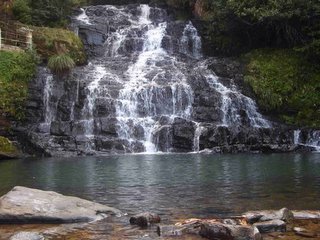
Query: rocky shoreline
point(25, 206)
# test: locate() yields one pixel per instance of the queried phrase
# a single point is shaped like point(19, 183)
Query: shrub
point(16, 69)
point(61, 63)
point(22, 11)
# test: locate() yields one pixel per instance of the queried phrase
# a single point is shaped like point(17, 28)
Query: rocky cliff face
point(147, 88)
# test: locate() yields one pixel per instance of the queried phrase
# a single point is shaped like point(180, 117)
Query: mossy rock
point(54, 41)
point(7, 149)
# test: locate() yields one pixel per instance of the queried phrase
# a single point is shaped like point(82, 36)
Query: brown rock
point(145, 219)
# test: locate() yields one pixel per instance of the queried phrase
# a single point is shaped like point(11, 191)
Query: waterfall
point(93, 93)
point(147, 88)
point(308, 138)
point(83, 17)
point(232, 101)
point(49, 107)
point(190, 42)
point(197, 135)
point(140, 101)
point(296, 136)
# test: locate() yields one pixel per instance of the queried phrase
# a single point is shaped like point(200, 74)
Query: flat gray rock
point(267, 215)
point(26, 205)
point(27, 236)
point(306, 214)
point(271, 226)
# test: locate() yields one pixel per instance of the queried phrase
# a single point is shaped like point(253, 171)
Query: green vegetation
point(6, 146)
point(54, 41)
point(50, 13)
point(16, 69)
point(286, 84)
point(60, 64)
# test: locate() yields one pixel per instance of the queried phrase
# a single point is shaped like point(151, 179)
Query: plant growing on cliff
point(16, 69)
point(285, 84)
point(61, 64)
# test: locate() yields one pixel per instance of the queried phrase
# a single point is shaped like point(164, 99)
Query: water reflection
point(177, 185)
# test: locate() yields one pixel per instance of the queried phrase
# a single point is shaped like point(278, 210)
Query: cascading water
point(309, 138)
point(140, 102)
point(147, 88)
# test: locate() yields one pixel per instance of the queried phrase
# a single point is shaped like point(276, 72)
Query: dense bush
point(61, 63)
point(50, 13)
point(285, 84)
point(16, 69)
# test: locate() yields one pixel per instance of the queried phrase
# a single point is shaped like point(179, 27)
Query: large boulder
point(26, 205)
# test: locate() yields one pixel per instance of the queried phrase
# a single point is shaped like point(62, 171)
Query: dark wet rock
point(145, 219)
point(261, 216)
point(27, 236)
point(271, 226)
point(26, 205)
point(6, 156)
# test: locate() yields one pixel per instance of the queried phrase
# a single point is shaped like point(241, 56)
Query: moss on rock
point(286, 84)
point(6, 146)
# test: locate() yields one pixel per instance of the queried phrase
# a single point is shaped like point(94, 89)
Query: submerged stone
point(26, 205)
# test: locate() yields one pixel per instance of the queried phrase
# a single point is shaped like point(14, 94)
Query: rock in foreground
point(26, 205)
point(145, 219)
point(27, 236)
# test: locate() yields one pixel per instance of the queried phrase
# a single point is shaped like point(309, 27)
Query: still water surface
point(181, 185)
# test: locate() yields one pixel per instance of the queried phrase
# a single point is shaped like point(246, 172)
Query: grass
point(61, 63)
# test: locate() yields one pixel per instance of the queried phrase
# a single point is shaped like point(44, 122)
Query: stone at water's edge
point(306, 214)
point(27, 236)
point(271, 226)
point(26, 205)
point(145, 219)
point(267, 215)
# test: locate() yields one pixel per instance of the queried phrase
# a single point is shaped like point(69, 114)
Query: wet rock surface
point(147, 87)
point(26, 205)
